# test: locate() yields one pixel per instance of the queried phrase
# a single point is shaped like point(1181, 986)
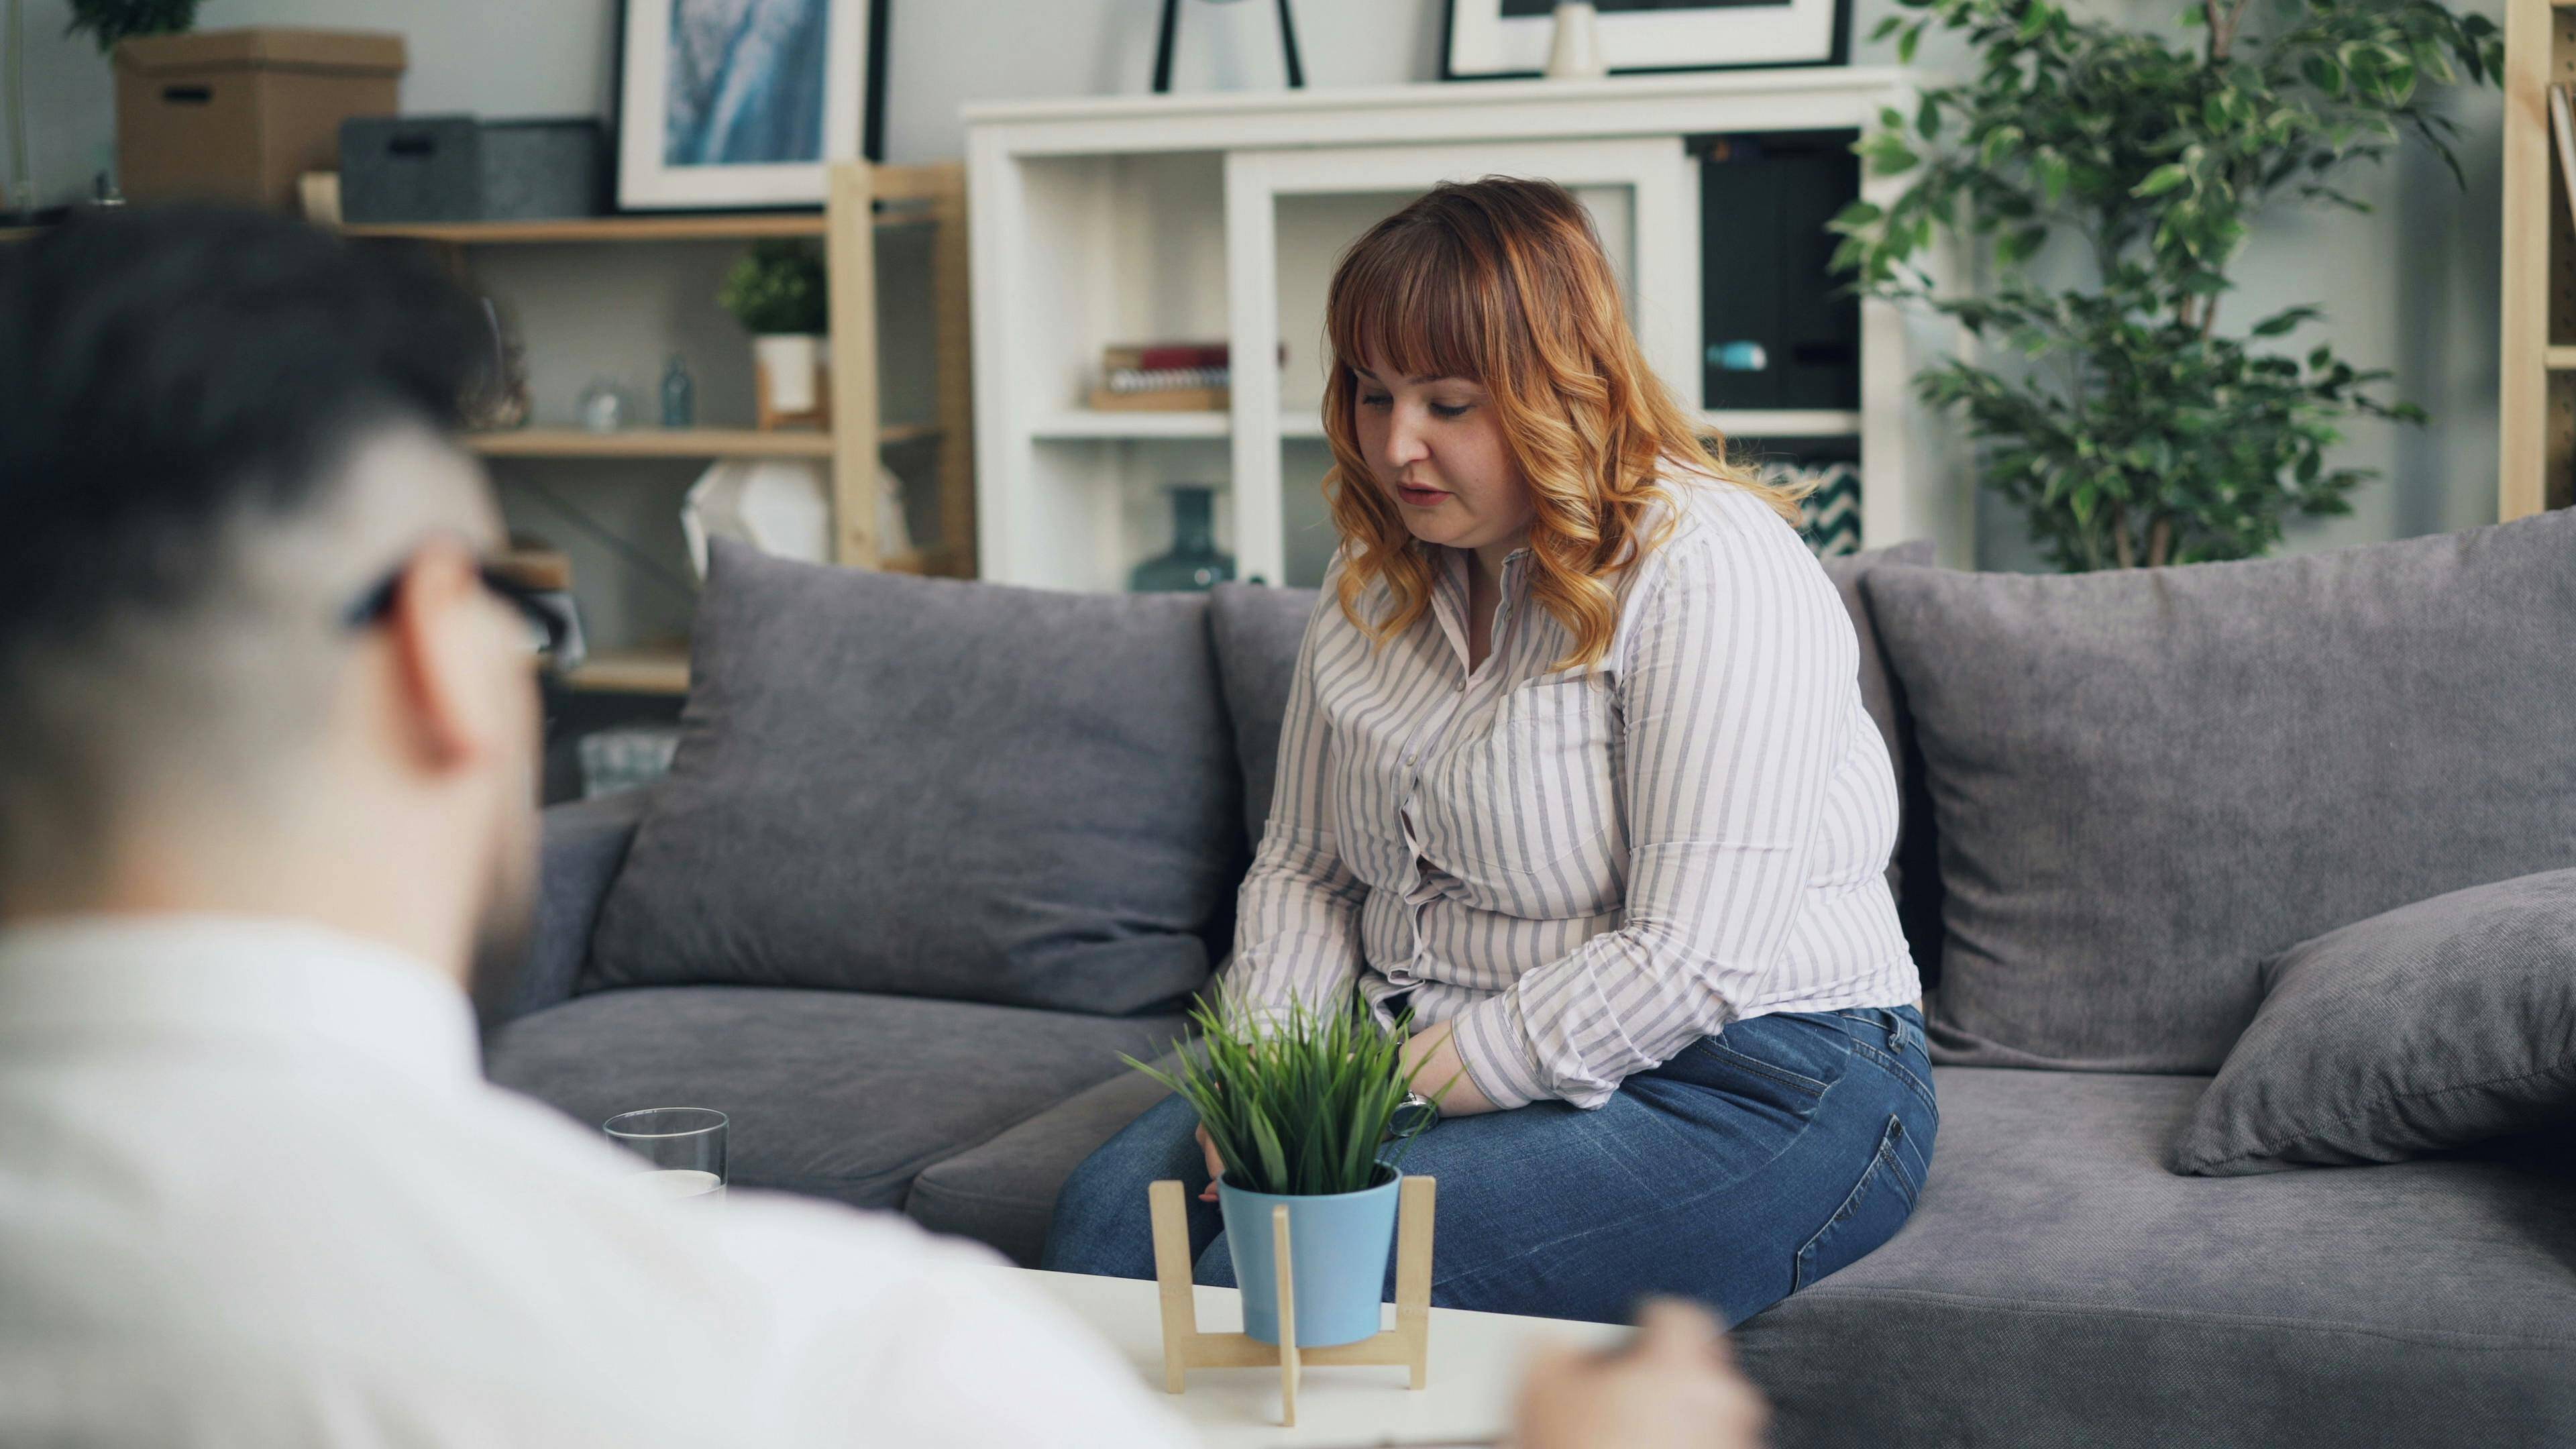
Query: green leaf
point(2163, 179)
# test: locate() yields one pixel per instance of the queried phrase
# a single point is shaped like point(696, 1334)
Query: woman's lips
point(1419, 497)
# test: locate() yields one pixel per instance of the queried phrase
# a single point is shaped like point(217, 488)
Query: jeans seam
point(1903, 1073)
point(1782, 1075)
point(1883, 1157)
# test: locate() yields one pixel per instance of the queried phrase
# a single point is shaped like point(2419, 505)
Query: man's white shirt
point(255, 1191)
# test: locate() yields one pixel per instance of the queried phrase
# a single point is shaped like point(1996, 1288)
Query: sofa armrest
point(585, 844)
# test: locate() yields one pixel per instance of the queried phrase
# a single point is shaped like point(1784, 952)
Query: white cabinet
point(1132, 219)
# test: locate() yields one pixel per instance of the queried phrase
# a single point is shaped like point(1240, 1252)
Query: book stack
point(1179, 376)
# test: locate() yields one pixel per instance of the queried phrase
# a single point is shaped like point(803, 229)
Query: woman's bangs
point(1411, 306)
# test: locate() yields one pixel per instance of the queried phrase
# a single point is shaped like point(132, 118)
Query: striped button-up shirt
point(1586, 869)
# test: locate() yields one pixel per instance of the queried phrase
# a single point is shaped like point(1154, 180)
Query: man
point(267, 737)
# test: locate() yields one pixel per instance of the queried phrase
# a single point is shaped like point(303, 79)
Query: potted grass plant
point(1300, 1106)
point(781, 295)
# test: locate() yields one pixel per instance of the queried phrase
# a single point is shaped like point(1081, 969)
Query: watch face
point(1412, 1116)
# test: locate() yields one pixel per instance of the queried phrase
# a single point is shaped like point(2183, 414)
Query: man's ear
point(442, 643)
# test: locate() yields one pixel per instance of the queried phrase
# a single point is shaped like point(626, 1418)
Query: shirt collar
point(270, 983)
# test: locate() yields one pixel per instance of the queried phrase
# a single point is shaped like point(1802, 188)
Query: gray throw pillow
point(931, 787)
point(2148, 781)
point(2432, 1026)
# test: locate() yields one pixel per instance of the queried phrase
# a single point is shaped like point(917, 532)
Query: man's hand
point(1674, 1387)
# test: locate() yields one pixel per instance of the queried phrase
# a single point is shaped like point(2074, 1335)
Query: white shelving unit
point(1139, 218)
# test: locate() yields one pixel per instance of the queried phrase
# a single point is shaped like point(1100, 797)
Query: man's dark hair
point(167, 368)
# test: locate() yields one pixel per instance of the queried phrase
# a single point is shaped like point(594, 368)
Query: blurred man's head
point(220, 431)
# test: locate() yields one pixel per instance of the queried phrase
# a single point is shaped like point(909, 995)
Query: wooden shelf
point(2559, 359)
point(734, 226)
point(674, 442)
point(1107, 423)
point(634, 671)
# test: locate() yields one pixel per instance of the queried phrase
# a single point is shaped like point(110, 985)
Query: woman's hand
point(1216, 1164)
point(1439, 1061)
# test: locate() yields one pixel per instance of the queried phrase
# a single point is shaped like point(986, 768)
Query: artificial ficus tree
point(2138, 432)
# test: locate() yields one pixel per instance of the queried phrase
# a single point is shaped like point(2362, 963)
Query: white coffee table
point(1476, 1361)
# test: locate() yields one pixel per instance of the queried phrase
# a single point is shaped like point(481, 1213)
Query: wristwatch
point(1412, 1117)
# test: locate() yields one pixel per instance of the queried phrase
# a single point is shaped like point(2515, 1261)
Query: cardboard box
point(238, 115)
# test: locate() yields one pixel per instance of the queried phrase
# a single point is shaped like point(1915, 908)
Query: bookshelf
point(866, 200)
point(1124, 219)
point(863, 198)
point(2536, 375)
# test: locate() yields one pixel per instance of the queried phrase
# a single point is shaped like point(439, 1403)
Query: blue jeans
point(1754, 1163)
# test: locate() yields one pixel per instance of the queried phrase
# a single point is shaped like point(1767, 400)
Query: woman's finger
point(1215, 1164)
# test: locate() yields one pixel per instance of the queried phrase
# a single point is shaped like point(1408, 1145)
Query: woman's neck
point(1485, 560)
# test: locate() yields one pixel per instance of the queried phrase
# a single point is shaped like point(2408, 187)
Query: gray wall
point(2412, 287)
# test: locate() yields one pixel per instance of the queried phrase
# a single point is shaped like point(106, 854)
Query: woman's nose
point(1404, 443)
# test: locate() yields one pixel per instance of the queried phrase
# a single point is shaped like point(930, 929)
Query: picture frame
point(1508, 39)
point(741, 105)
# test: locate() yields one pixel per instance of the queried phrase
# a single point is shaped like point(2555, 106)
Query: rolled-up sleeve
point(1737, 677)
point(1297, 915)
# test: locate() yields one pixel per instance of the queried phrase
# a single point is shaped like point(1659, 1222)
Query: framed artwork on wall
point(733, 104)
point(1508, 39)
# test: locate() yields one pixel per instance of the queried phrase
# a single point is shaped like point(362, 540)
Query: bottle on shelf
point(1193, 562)
point(679, 395)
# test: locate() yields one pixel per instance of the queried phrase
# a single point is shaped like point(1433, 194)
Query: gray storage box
point(397, 169)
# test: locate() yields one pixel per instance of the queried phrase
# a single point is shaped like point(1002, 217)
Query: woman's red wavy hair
point(1503, 280)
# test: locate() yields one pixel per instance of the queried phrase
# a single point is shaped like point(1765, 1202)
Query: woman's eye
point(1377, 401)
point(1449, 412)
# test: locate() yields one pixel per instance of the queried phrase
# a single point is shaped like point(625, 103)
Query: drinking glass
point(684, 1148)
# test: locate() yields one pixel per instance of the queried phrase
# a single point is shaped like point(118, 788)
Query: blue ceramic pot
point(1338, 1245)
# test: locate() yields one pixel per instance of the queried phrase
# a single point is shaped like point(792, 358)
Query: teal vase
point(1194, 562)
point(1338, 1245)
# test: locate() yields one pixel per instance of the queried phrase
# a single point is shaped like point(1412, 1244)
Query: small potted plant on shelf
point(1299, 1108)
point(779, 293)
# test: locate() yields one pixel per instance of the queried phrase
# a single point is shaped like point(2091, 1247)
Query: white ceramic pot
point(789, 363)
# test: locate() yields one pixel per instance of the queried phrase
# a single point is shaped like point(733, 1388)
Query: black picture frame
point(657, 188)
point(1835, 51)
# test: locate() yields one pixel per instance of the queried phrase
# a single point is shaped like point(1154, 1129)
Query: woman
point(1574, 764)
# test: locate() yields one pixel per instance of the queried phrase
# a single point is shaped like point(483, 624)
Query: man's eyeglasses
point(554, 630)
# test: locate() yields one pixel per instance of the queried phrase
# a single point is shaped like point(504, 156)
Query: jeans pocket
point(1870, 1213)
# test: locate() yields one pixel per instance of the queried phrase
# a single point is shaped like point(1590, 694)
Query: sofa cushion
point(834, 1093)
point(1918, 900)
point(1257, 630)
point(931, 787)
point(2146, 782)
point(2431, 1026)
point(2057, 1286)
point(1003, 1191)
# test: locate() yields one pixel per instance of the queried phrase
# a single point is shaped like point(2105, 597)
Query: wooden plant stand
point(1407, 1345)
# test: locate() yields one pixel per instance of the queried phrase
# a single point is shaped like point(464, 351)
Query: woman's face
point(1438, 453)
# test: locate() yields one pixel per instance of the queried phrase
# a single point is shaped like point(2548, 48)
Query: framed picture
point(1508, 39)
point(733, 104)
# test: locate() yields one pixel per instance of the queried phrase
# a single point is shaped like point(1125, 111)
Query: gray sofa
point(932, 854)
